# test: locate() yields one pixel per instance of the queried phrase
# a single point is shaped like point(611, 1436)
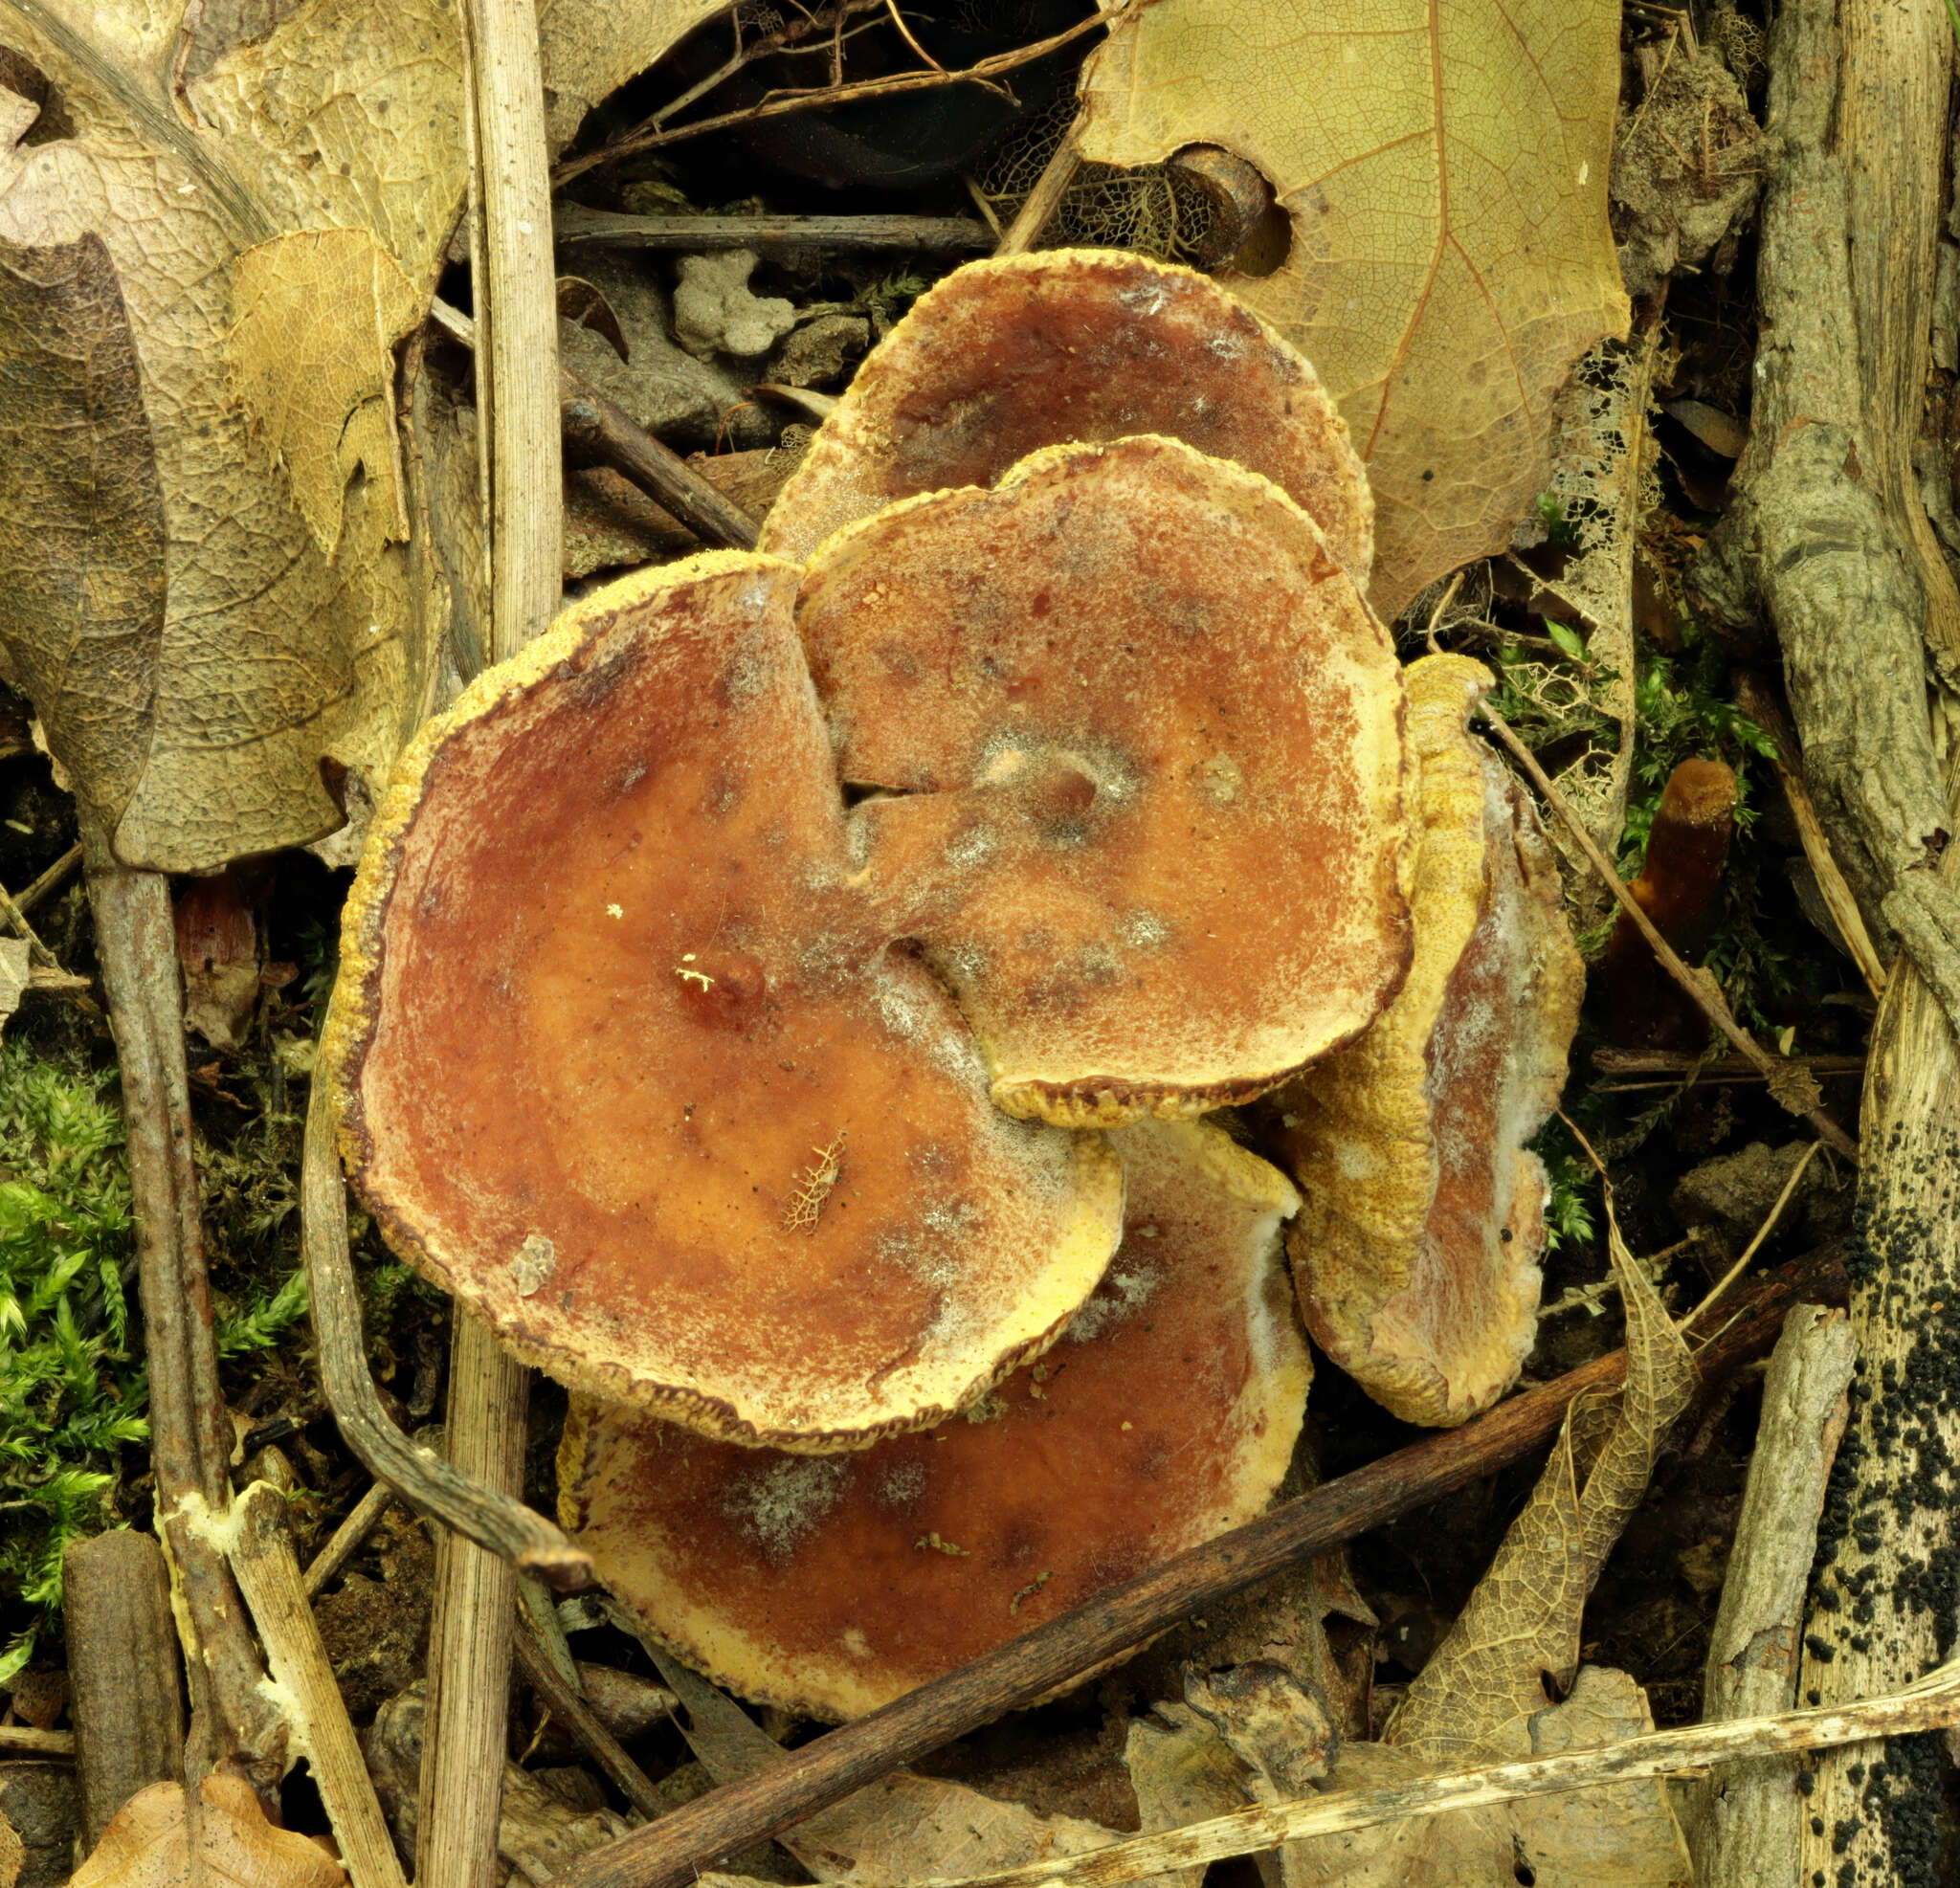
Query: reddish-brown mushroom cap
point(624, 1063)
point(1003, 357)
point(829, 1585)
point(1143, 751)
point(1416, 1248)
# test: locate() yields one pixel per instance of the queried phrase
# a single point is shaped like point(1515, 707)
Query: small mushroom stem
point(1791, 1087)
point(428, 1484)
point(669, 1853)
point(191, 1437)
point(1680, 877)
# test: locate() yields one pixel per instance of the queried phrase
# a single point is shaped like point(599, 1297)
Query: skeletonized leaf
point(314, 319)
point(1486, 1678)
point(1443, 165)
point(81, 529)
point(1482, 1684)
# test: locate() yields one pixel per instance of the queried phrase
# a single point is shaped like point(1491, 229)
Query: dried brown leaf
point(592, 50)
point(82, 531)
point(149, 1844)
point(1521, 1626)
point(902, 1829)
point(1443, 164)
point(274, 225)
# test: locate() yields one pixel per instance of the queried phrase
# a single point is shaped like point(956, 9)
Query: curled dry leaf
point(832, 1585)
point(82, 532)
point(148, 1844)
point(1417, 1249)
point(1004, 357)
point(266, 237)
point(727, 1154)
point(1442, 164)
point(1488, 1693)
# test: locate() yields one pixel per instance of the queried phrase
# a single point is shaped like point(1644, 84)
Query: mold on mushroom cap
point(1073, 345)
point(1168, 1414)
point(1143, 764)
point(1416, 1248)
point(622, 1062)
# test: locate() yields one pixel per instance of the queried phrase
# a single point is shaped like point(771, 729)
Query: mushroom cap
point(622, 1062)
point(1166, 1415)
point(1142, 751)
point(1003, 357)
point(1416, 1248)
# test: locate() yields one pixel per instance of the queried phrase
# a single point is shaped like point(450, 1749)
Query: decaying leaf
point(314, 319)
point(82, 532)
point(268, 656)
point(1443, 166)
point(902, 1829)
point(149, 1844)
point(1482, 1697)
point(273, 228)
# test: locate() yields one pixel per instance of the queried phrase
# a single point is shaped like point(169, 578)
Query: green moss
point(71, 1394)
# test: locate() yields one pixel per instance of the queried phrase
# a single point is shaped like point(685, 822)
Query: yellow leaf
point(314, 320)
point(1443, 164)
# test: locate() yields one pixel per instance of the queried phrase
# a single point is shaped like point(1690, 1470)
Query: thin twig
point(191, 1430)
point(1788, 1084)
point(583, 1722)
point(16, 920)
point(1756, 702)
point(574, 223)
point(1051, 1657)
point(824, 97)
point(1763, 1231)
point(268, 1571)
point(24, 1741)
point(1931, 1704)
point(50, 880)
point(588, 418)
point(348, 1537)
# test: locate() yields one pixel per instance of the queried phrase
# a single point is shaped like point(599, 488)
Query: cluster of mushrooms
point(787, 1000)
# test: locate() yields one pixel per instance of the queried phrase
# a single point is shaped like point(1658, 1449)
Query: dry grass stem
point(1931, 1704)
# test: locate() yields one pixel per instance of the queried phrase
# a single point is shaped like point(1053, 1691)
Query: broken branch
point(586, 418)
point(574, 223)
